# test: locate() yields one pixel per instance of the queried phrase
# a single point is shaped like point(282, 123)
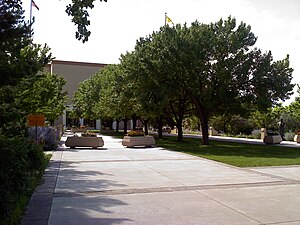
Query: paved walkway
point(117, 185)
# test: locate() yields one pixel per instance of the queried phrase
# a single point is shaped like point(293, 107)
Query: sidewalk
point(117, 185)
point(243, 140)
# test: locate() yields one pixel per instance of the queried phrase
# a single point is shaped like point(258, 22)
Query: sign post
point(36, 120)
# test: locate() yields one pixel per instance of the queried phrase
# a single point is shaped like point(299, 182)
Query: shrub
point(47, 136)
point(93, 131)
point(136, 133)
point(21, 162)
point(289, 136)
point(256, 134)
point(88, 134)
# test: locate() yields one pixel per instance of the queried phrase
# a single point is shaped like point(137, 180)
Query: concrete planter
point(131, 141)
point(78, 130)
point(93, 142)
point(297, 138)
point(272, 139)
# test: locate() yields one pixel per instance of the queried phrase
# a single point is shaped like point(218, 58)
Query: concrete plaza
point(117, 185)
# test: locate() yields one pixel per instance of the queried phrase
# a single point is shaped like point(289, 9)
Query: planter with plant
point(138, 138)
point(80, 129)
point(273, 137)
point(86, 139)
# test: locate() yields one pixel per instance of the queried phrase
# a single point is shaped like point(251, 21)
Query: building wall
point(74, 73)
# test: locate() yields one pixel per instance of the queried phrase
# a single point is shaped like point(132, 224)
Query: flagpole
point(165, 19)
point(30, 12)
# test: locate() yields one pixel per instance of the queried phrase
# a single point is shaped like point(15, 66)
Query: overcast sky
point(117, 24)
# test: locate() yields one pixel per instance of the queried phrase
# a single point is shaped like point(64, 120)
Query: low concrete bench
point(131, 141)
point(93, 142)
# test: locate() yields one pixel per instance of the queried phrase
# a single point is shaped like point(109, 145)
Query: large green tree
point(20, 59)
point(117, 97)
point(219, 68)
point(149, 97)
point(234, 74)
point(156, 97)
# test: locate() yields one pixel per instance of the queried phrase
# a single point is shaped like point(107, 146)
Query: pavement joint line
point(148, 167)
point(283, 222)
point(169, 189)
point(231, 208)
point(269, 167)
point(271, 175)
point(127, 160)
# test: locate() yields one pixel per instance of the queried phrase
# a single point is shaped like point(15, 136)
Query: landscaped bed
point(236, 154)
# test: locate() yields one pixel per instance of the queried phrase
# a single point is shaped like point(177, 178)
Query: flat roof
point(63, 62)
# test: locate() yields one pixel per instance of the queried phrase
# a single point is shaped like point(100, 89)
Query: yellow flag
point(169, 20)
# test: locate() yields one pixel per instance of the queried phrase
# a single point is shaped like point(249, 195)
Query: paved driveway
point(117, 185)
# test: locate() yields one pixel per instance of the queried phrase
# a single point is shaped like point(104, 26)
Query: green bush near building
point(22, 163)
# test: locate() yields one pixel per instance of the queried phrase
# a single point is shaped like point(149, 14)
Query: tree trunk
point(160, 125)
point(180, 132)
point(146, 126)
point(134, 119)
point(125, 125)
point(111, 124)
point(117, 125)
point(204, 128)
point(203, 116)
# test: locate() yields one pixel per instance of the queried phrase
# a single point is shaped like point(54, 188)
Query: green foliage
point(289, 136)
point(19, 59)
point(256, 134)
point(86, 97)
point(78, 10)
point(45, 95)
point(117, 96)
point(21, 162)
point(215, 65)
point(294, 108)
point(150, 97)
point(14, 35)
point(105, 95)
point(233, 125)
point(192, 122)
point(205, 69)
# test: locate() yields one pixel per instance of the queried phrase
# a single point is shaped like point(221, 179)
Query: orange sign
point(36, 120)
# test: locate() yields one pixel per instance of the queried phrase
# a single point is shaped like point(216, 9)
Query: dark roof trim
point(62, 62)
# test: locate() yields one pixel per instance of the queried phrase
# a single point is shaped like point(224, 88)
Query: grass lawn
point(236, 154)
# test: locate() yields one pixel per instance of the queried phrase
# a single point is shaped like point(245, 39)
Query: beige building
point(74, 73)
